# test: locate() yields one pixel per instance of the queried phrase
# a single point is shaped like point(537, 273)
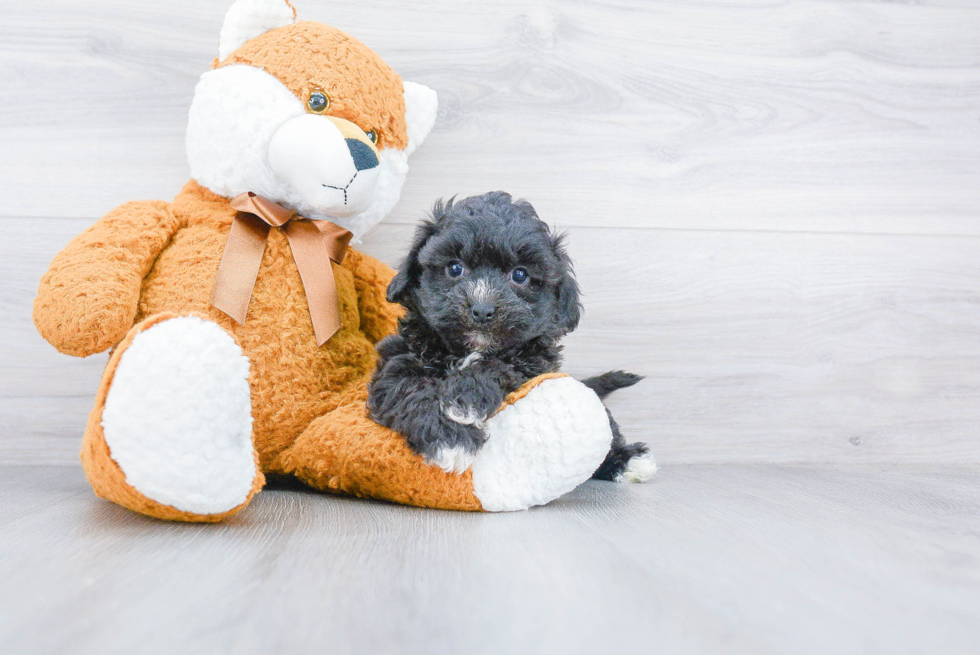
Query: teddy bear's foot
point(170, 435)
point(550, 437)
point(546, 439)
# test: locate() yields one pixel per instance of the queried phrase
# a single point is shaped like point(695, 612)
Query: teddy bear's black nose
point(483, 311)
point(364, 157)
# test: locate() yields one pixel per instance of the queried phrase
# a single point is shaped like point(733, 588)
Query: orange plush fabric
point(88, 299)
point(87, 303)
point(344, 451)
point(293, 381)
point(308, 403)
point(362, 88)
point(146, 262)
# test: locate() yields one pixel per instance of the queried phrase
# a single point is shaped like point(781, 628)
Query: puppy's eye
point(371, 134)
point(318, 102)
point(454, 269)
point(519, 276)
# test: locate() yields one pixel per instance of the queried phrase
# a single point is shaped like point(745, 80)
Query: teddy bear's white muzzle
point(328, 161)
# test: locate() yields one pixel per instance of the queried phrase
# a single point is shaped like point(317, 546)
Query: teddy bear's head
point(305, 115)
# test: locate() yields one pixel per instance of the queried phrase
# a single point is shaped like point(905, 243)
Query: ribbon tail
point(312, 257)
point(239, 266)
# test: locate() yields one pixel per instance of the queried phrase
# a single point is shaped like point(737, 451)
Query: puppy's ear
point(410, 270)
point(567, 292)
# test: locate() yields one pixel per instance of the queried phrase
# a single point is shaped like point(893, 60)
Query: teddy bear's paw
point(178, 417)
point(542, 446)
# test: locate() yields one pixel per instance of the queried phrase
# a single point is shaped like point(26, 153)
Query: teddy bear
point(243, 324)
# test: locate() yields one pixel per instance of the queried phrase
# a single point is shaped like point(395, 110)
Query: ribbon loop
point(313, 244)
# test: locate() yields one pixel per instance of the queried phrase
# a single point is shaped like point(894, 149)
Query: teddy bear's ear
point(248, 19)
point(421, 107)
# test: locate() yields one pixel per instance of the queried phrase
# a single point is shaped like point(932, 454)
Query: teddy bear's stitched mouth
point(343, 188)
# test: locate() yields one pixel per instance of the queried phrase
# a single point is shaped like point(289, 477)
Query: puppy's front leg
point(442, 441)
point(472, 392)
point(403, 398)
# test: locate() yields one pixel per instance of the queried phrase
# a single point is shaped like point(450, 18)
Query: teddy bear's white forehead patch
point(235, 112)
point(247, 19)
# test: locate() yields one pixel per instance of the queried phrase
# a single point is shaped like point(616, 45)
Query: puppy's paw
point(452, 459)
point(450, 446)
point(627, 463)
point(639, 468)
point(463, 415)
point(469, 397)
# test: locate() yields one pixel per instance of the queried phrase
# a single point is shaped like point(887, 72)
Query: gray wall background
point(774, 207)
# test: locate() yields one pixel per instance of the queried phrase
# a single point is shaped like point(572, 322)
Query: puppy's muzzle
point(483, 312)
point(482, 298)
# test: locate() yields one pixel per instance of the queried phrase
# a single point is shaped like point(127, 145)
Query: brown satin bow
point(314, 244)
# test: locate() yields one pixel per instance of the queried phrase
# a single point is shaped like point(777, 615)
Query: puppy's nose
point(483, 311)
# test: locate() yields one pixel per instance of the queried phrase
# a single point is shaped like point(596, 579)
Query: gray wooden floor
point(774, 211)
point(708, 558)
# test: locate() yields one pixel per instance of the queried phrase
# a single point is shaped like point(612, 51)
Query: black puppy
point(489, 291)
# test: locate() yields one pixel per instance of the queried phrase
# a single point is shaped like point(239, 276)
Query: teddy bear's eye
point(454, 269)
point(519, 276)
point(371, 134)
point(319, 101)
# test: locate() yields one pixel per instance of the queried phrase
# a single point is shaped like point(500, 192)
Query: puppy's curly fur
point(489, 291)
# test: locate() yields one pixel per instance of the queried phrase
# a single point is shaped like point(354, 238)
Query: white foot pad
point(453, 460)
point(541, 447)
point(178, 417)
point(639, 469)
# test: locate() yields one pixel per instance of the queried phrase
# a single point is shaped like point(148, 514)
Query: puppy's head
point(488, 274)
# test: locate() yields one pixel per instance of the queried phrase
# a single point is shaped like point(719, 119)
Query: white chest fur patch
point(178, 417)
point(472, 358)
point(541, 447)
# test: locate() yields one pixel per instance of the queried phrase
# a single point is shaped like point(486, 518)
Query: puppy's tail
point(606, 383)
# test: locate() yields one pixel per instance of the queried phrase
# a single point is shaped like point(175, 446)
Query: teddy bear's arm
point(379, 318)
point(88, 299)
